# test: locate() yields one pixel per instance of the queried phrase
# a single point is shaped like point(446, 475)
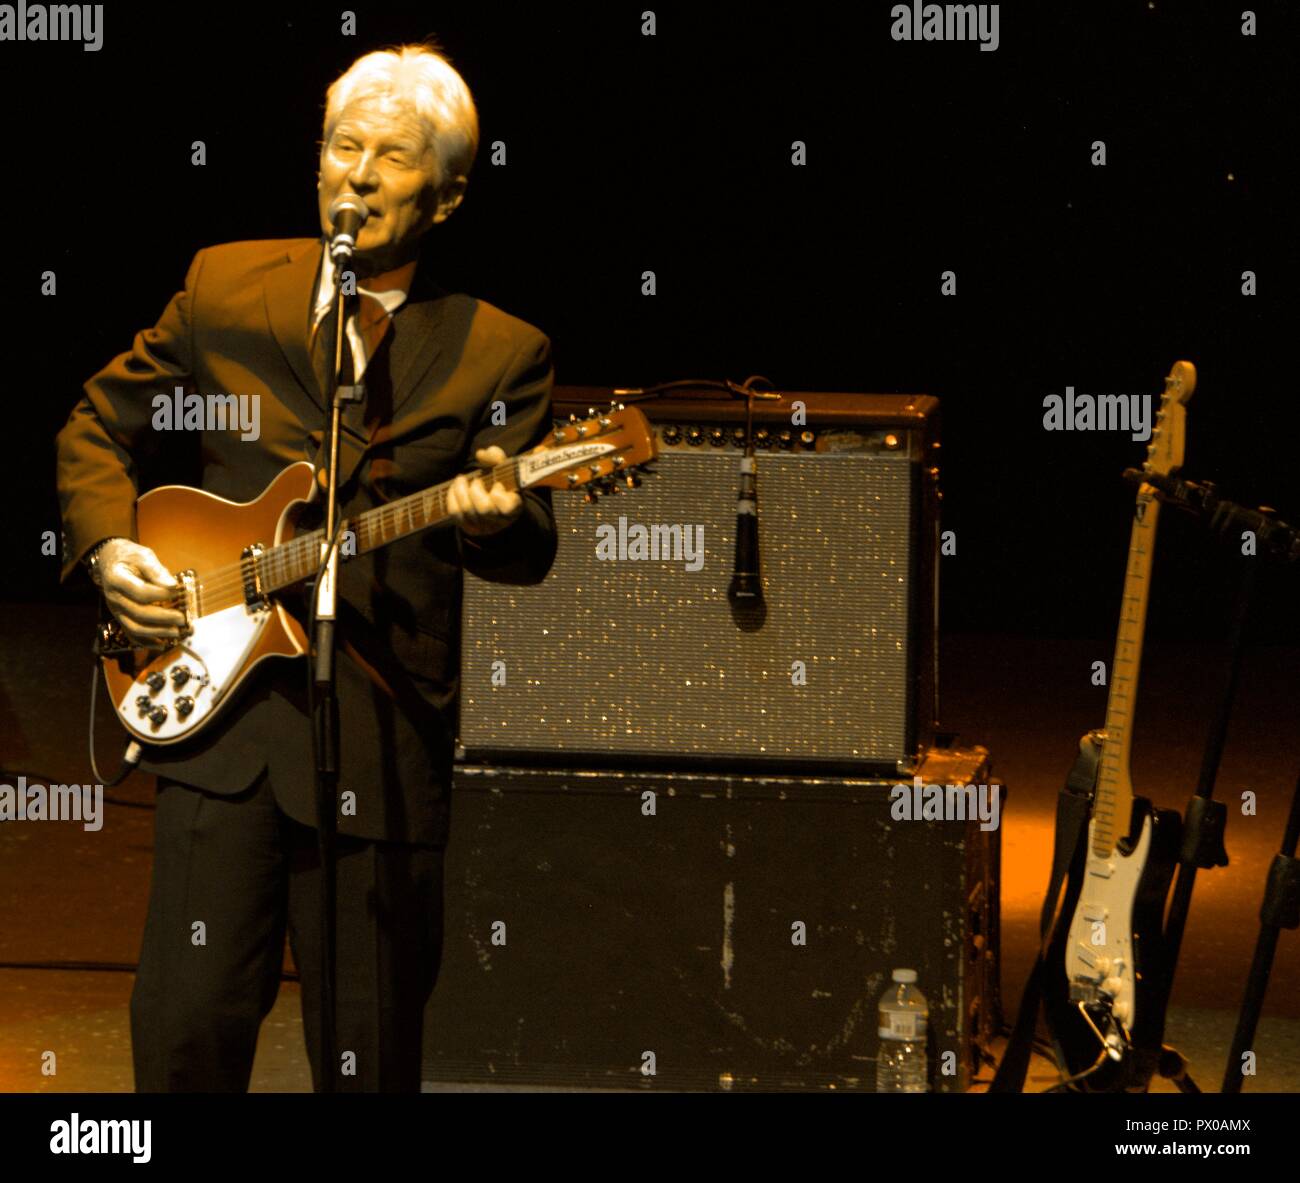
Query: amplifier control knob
point(672, 433)
point(717, 437)
point(786, 439)
point(156, 681)
point(807, 438)
point(738, 436)
point(763, 438)
point(694, 436)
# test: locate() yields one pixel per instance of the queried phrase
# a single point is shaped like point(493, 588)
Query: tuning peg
point(591, 412)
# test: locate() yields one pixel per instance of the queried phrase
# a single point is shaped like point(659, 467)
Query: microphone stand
point(1202, 846)
point(325, 729)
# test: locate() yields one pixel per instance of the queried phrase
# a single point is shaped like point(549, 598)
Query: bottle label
point(906, 1024)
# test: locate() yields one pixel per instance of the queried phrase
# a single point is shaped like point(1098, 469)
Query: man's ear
point(451, 195)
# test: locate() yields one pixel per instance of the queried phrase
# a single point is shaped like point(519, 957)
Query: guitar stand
point(1281, 909)
point(1203, 843)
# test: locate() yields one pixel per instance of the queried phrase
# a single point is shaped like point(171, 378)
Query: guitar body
point(231, 559)
point(1110, 959)
point(193, 531)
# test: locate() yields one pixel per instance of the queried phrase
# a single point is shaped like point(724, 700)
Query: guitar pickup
point(250, 571)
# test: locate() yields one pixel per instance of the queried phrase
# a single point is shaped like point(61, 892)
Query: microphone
point(347, 214)
point(748, 608)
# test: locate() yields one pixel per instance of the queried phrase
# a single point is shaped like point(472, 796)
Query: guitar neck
point(1114, 802)
point(280, 567)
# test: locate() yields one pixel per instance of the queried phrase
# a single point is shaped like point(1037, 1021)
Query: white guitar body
point(1099, 955)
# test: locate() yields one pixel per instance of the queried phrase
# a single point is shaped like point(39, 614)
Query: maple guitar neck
point(278, 567)
point(1114, 800)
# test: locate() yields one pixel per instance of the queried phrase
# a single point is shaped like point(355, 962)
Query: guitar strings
point(231, 580)
point(229, 583)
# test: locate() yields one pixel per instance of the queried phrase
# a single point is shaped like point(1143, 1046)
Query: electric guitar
point(230, 560)
point(1105, 1001)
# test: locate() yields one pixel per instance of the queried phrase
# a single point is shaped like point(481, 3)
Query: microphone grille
point(346, 202)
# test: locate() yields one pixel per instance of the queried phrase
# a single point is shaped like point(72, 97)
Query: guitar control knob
point(180, 675)
point(184, 705)
point(156, 681)
point(143, 703)
point(158, 716)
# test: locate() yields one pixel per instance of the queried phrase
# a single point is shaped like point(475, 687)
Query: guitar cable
point(1063, 1085)
point(129, 759)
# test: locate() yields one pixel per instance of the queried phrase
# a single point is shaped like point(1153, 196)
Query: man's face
point(378, 151)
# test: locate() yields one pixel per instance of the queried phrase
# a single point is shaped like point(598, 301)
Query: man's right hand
point(133, 582)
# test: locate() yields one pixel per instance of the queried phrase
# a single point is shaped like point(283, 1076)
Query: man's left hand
point(477, 510)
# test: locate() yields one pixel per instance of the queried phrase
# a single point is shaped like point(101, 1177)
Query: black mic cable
point(748, 608)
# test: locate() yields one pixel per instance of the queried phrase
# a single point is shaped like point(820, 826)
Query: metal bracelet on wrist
point(92, 561)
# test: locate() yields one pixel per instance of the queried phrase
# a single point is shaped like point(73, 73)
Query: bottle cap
point(906, 976)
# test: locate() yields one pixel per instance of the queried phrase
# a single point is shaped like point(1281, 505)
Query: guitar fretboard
point(1114, 803)
point(279, 567)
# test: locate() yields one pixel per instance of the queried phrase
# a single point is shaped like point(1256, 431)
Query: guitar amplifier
point(709, 931)
point(629, 654)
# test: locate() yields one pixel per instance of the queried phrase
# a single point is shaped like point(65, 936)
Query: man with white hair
point(450, 382)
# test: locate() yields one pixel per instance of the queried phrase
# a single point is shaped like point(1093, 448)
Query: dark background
point(672, 153)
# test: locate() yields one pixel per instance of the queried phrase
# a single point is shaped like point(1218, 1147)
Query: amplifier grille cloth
point(643, 658)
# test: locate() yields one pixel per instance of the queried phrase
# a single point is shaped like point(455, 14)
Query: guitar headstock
point(1165, 451)
point(593, 452)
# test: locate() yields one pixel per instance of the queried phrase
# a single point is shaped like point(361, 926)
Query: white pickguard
point(1099, 953)
point(213, 655)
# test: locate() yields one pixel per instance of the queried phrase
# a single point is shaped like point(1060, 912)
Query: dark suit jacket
point(241, 327)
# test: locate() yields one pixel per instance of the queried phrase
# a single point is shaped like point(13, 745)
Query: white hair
point(423, 80)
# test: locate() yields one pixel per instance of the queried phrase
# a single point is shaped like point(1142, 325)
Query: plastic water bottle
point(904, 1016)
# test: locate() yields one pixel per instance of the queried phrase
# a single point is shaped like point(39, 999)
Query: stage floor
point(72, 896)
